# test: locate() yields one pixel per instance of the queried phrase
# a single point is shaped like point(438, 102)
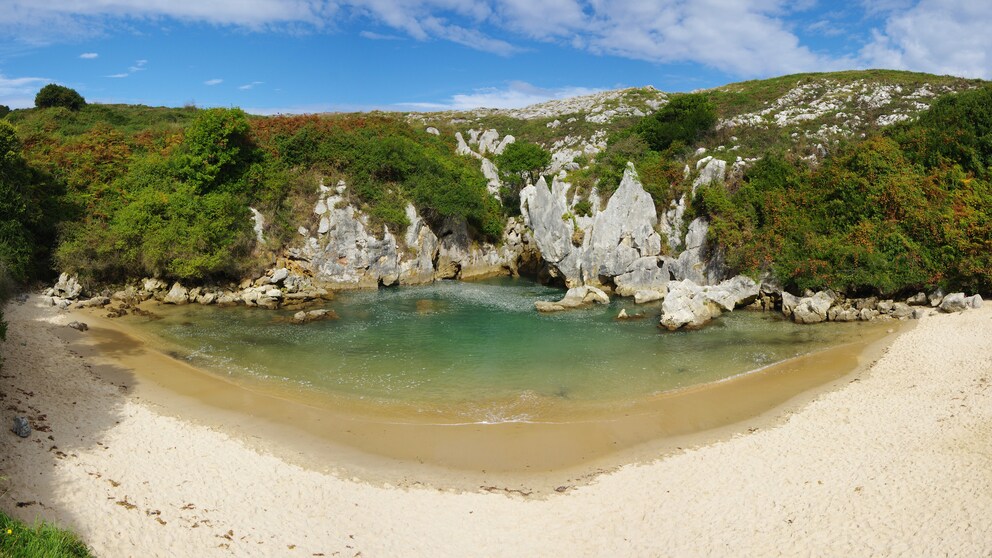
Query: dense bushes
point(684, 119)
point(53, 95)
point(388, 164)
point(27, 210)
point(905, 211)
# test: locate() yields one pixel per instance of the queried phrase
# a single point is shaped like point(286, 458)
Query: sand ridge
point(899, 461)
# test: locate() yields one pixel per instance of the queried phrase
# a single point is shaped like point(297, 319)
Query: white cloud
point(379, 36)
point(516, 94)
point(215, 81)
point(89, 55)
point(749, 38)
point(249, 86)
point(139, 65)
point(19, 92)
point(937, 36)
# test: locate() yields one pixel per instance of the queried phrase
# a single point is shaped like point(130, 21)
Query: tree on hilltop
point(53, 95)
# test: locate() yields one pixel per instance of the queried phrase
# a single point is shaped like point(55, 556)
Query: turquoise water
point(479, 350)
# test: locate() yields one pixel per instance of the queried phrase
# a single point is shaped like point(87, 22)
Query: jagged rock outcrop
point(344, 253)
point(67, 286)
point(613, 240)
point(691, 306)
point(619, 245)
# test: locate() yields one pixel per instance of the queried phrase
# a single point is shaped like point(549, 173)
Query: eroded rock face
point(344, 253)
point(612, 241)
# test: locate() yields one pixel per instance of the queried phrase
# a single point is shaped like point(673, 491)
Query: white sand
point(898, 462)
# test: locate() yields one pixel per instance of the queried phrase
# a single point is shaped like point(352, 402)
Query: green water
point(479, 350)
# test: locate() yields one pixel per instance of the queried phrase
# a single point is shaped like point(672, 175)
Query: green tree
point(26, 203)
point(53, 95)
point(684, 119)
point(522, 161)
point(217, 150)
point(4, 111)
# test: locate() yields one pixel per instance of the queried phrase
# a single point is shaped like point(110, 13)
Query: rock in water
point(21, 427)
point(686, 305)
point(575, 297)
point(78, 326)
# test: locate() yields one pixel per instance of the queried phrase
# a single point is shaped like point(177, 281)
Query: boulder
point(842, 314)
point(576, 297)
point(813, 309)
point(178, 294)
point(919, 299)
point(96, 301)
point(303, 317)
point(885, 306)
point(867, 314)
point(645, 296)
point(279, 275)
point(207, 298)
point(901, 310)
point(870, 303)
point(21, 427)
point(936, 298)
point(954, 302)
point(738, 291)
point(79, 326)
point(154, 285)
point(686, 305)
point(919, 313)
point(67, 286)
point(789, 303)
point(974, 301)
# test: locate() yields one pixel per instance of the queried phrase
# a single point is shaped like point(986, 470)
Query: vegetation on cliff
point(824, 192)
point(906, 209)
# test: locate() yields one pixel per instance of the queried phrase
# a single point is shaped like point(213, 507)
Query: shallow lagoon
point(479, 352)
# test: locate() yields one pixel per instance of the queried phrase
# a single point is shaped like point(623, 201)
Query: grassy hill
point(116, 191)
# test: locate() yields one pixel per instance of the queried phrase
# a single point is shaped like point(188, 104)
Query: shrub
point(684, 119)
point(521, 161)
point(53, 95)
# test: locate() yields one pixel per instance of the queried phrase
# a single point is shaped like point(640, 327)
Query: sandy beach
point(893, 460)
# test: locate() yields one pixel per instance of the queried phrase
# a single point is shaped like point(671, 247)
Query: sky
point(297, 56)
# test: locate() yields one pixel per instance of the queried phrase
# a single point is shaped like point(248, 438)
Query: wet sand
point(893, 459)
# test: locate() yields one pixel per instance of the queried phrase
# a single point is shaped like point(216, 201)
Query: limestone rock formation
point(576, 297)
point(692, 306)
point(68, 287)
point(177, 295)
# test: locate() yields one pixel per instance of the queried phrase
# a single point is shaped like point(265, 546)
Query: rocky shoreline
point(624, 248)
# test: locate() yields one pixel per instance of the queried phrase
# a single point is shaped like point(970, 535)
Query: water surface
point(479, 352)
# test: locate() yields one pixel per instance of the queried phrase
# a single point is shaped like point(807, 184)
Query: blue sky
point(272, 56)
